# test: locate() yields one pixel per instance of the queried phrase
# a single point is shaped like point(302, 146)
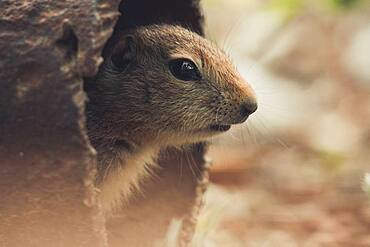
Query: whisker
point(234, 137)
point(253, 136)
point(242, 136)
point(239, 20)
point(179, 161)
point(190, 164)
point(268, 133)
point(195, 164)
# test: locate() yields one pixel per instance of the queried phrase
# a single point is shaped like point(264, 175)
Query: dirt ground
point(294, 174)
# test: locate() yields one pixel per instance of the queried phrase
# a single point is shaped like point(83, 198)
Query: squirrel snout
point(246, 109)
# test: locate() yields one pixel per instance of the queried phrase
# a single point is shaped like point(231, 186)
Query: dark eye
point(184, 69)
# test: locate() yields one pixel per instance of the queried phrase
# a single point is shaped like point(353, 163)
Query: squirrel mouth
point(219, 127)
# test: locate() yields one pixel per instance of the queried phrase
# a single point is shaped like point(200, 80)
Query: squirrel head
point(166, 84)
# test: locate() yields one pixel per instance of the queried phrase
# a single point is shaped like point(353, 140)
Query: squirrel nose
point(247, 108)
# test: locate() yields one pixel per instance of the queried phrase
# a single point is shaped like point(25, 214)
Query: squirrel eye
point(184, 69)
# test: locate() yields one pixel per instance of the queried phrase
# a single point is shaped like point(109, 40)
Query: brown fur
point(132, 114)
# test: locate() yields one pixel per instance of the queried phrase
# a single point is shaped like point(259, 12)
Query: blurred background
point(295, 174)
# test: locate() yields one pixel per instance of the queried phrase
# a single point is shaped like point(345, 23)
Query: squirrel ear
point(124, 52)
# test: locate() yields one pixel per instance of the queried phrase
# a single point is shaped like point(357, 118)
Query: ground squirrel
point(160, 85)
